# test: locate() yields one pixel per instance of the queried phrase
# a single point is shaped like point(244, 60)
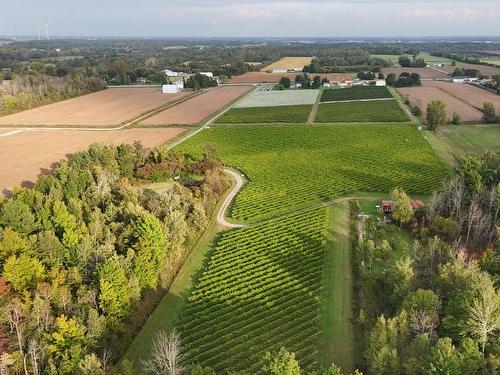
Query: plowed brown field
point(421, 96)
point(262, 77)
point(475, 96)
point(108, 107)
point(194, 110)
point(425, 73)
point(27, 154)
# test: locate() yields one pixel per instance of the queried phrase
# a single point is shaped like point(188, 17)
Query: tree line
point(86, 254)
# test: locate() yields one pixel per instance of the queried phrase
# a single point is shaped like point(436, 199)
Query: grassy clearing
point(374, 111)
point(285, 114)
point(337, 338)
point(259, 291)
point(458, 141)
point(355, 93)
point(294, 166)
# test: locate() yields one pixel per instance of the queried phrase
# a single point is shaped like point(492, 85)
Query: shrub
point(456, 119)
point(489, 114)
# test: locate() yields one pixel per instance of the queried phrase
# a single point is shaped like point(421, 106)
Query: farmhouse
point(171, 73)
point(387, 206)
point(380, 82)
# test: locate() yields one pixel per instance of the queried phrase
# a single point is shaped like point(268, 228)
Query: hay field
point(112, 106)
point(40, 149)
point(422, 96)
point(469, 94)
point(195, 110)
point(279, 98)
point(289, 63)
point(425, 73)
point(262, 77)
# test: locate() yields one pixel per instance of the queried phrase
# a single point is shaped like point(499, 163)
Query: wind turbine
point(47, 30)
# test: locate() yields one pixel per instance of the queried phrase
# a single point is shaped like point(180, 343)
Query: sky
point(252, 18)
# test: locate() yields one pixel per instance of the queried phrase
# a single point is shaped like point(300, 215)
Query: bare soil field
point(486, 70)
point(475, 96)
point(27, 154)
point(113, 106)
point(421, 96)
point(289, 63)
point(194, 110)
point(425, 73)
point(262, 77)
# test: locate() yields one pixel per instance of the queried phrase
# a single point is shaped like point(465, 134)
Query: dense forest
point(86, 254)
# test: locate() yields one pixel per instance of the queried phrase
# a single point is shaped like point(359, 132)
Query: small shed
point(387, 207)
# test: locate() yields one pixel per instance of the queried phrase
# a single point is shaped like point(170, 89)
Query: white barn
point(173, 89)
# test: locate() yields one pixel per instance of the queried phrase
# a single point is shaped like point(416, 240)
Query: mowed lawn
point(356, 93)
point(294, 166)
point(370, 111)
point(261, 115)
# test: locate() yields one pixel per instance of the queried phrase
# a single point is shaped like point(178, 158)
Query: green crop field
point(283, 114)
point(355, 93)
point(370, 111)
point(259, 291)
point(299, 165)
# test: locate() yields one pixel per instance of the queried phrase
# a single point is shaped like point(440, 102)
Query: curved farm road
point(221, 220)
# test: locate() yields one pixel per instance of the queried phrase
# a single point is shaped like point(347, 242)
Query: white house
point(279, 70)
point(327, 84)
point(208, 74)
point(171, 73)
point(380, 82)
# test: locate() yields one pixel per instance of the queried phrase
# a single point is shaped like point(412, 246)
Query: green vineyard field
point(372, 111)
point(355, 93)
point(284, 114)
point(259, 291)
point(294, 166)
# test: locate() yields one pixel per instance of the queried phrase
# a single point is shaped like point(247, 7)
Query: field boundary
point(121, 126)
